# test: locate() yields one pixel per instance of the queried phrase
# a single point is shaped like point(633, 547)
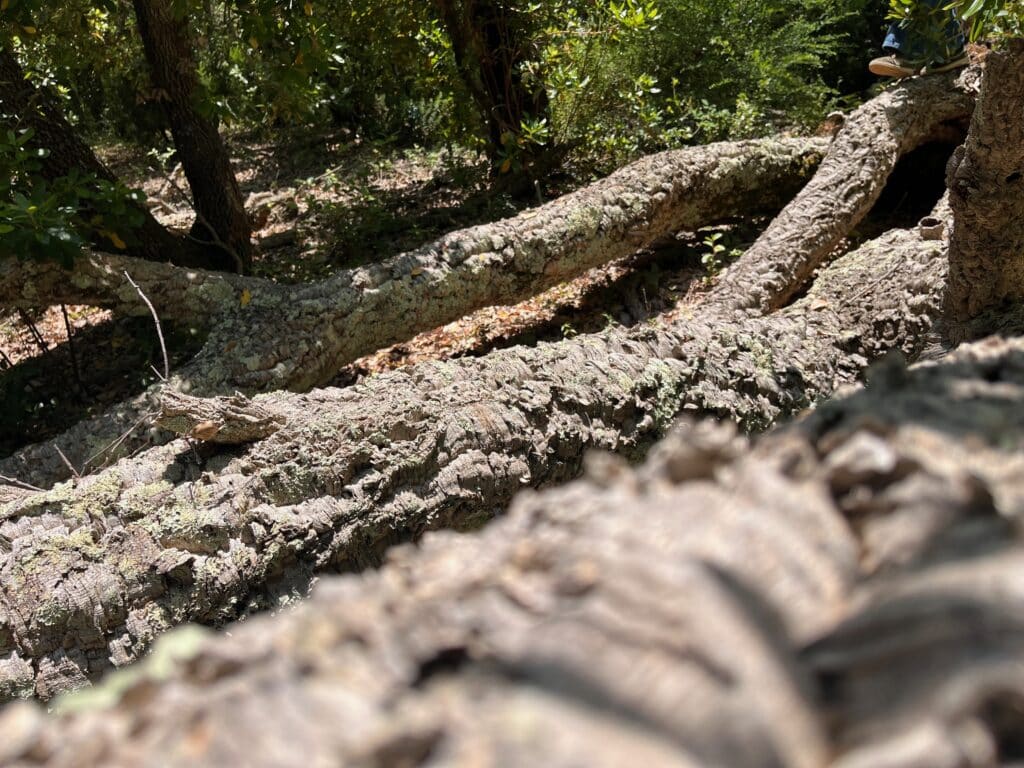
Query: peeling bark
point(97, 568)
point(853, 601)
point(986, 183)
point(296, 337)
point(848, 183)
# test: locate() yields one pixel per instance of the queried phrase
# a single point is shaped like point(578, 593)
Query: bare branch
point(156, 320)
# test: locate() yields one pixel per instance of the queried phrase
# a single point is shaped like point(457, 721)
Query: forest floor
point(325, 204)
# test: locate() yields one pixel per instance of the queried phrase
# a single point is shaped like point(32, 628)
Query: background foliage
point(623, 77)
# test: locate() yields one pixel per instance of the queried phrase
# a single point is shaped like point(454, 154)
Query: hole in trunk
point(916, 184)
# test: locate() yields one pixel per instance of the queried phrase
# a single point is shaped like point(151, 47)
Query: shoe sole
point(890, 70)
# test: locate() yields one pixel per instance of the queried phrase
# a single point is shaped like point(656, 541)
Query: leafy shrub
point(40, 219)
point(622, 76)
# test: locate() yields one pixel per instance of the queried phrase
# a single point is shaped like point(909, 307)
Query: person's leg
point(895, 40)
point(907, 50)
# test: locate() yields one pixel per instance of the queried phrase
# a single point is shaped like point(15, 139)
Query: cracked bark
point(97, 568)
point(986, 179)
point(254, 348)
point(853, 601)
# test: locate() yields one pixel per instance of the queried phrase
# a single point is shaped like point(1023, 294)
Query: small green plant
point(715, 253)
point(718, 252)
point(568, 331)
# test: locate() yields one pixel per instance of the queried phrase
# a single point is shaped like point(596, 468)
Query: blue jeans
point(904, 42)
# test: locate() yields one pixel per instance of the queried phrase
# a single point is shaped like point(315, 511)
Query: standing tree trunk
point(986, 185)
point(490, 49)
point(220, 212)
point(25, 106)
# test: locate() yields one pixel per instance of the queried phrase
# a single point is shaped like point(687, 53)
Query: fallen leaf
point(245, 298)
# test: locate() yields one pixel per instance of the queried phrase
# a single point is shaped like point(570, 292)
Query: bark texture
point(986, 183)
point(95, 569)
point(26, 106)
point(296, 337)
point(194, 296)
point(847, 185)
point(221, 219)
point(845, 593)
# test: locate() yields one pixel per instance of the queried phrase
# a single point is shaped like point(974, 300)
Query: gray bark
point(296, 337)
point(97, 568)
point(986, 183)
point(192, 296)
point(845, 592)
point(848, 184)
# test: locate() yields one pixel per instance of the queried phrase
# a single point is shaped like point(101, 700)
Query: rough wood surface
point(845, 592)
point(224, 420)
point(986, 183)
point(848, 183)
point(294, 337)
point(194, 296)
point(93, 570)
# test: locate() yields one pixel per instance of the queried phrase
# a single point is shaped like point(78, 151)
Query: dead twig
point(156, 320)
point(113, 446)
point(71, 351)
point(67, 463)
point(19, 484)
point(36, 336)
point(6, 360)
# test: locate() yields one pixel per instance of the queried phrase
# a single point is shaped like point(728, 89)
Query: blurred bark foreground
point(844, 592)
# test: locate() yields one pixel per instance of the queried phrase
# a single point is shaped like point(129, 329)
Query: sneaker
point(893, 66)
point(961, 60)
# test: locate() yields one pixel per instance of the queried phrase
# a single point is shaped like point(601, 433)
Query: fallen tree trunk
point(359, 311)
point(848, 184)
point(194, 296)
point(355, 313)
point(853, 601)
point(296, 337)
point(98, 567)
